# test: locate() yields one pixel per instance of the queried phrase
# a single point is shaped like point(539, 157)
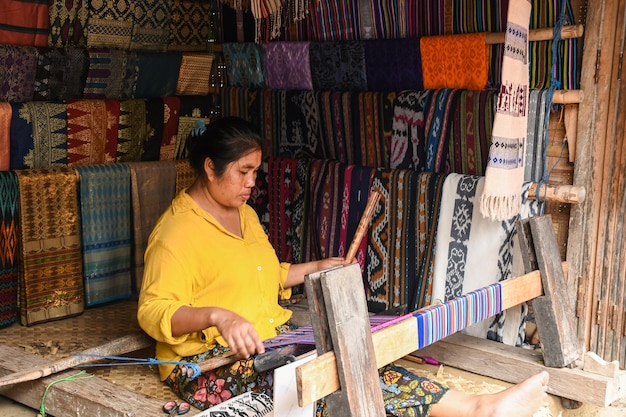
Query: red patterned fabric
point(86, 131)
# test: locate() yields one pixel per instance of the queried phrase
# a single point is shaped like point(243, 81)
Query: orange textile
point(5, 134)
point(455, 61)
point(24, 23)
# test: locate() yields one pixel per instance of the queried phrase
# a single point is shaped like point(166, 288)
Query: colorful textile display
point(408, 19)
point(338, 66)
point(300, 207)
point(51, 271)
point(244, 64)
point(286, 65)
point(151, 25)
point(105, 76)
point(105, 214)
point(68, 20)
point(153, 186)
point(393, 64)
point(18, 68)
point(132, 131)
point(194, 74)
point(505, 171)
point(408, 140)
point(24, 22)
point(281, 180)
point(87, 124)
point(371, 147)
point(171, 114)
point(439, 117)
point(9, 261)
point(190, 25)
point(47, 124)
point(21, 138)
point(474, 251)
point(455, 61)
point(110, 24)
point(6, 113)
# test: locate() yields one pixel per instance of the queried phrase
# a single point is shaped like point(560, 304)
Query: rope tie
point(76, 377)
point(138, 361)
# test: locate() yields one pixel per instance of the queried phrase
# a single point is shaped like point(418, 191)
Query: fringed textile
point(474, 251)
point(392, 238)
point(9, 247)
point(133, 130)
point(171, 116)
point(48, 123)
point(338, 66)
point(440, 111)
point(151, 29)
point(189, 25)
point(194, 74)
point(6, 113)
point(68, 22)
point(393, 65)
point(536, 136)
point(18, 69)
point(408, 140)
point(470, 132)
point(153, 186)
point(185, 175)
point(22, 143)
point(87, 124)
point(281, 181)
point(105, 211)
point(51, 273)
point(505, 171)
point(105, 76)
point(286, 65)
point(455, 61)
point(24, 23)
point(161, 83)
point(244, 64)
point(110, 24)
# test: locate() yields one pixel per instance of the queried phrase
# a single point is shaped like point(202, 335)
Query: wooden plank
point(319, 377)
point(512, 364)
point(349, 326)
point(94, 397)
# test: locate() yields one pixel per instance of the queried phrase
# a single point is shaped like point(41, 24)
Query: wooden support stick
point(567, 96)
point(561, 193)
point(115, 347)
point(542, 34)
point(363, 224)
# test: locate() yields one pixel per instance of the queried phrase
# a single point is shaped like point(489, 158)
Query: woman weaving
point(212, 283)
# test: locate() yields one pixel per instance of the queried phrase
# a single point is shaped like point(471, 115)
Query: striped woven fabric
point(51, 271)
point(234, 102)
point(370, 144)
point(336, 125)
point(153, 186)
point(9, 261)
point(105, 212)
point(536, 136)
point(24, 22)
point(105, 76)
point(439, 117)
point(409, 19)
point(334, 20)
point(195, 73)
point(68, 20)
point(300, 210)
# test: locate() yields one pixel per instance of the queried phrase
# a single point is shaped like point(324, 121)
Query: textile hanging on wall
point(536, 136)
point(49, 245)
point(235, 102)
point(244, 64)
point(132, 131)
point(21, 139)
point(190, 25)
point(24, 22)
point(153, 186)
point(474, 251)
point(18, 69)
point(505, 171)
point(110, 24)
point(408, 19)
point(393, 65)
point(87, 124)
point(455, 61)
point(48, 124)
point(113, 109)
point(296, 123)
point(286, 65)
point(439, 116)
point(161, 83)
point(281, 182)
point(194, 74)
point(300, 210)
point(68, 20)
point(75, 74)
point(105, 212)
point(371, 148)
point(408, 141)
point(9, 225)
point(392, 238)
point(5, 136)
point(105, 76)
point(336, 114)
point(51, 65)
point(151, 25)
point(171, 115)
point(338, 66)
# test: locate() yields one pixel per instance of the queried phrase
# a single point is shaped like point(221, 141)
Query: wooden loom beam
point(541, 34)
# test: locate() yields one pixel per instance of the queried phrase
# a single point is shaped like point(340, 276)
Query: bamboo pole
point(363, 224)
point(542, 34)
point(567, 96)
point(560, 193)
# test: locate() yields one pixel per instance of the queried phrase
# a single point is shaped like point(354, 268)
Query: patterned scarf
point(281, 182)
point(133, 130)
point(48, 124)
point(21, 137)
point(151, 30)
point(244, 63)
point(68, 20)
point(105, 76)
point(161, 83)
point(87, 124)
point(194, 74)
point(338, 66)
point(110, 24)
point(9, 224)
point(505, 171)
point(51, 271)
point(106, 226)
point(18, 69)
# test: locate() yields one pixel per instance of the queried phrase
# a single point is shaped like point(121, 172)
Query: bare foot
point(521, 400)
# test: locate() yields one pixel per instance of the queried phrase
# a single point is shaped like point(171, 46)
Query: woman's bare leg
point(521, 400)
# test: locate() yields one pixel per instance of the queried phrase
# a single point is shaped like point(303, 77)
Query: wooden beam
point(542, 34)
point(319, 377)
point(513, 364)
point(87, 397)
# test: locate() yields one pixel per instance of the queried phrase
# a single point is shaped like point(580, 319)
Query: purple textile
point(286, 65)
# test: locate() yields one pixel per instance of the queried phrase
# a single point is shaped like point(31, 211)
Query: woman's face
point(234, 187)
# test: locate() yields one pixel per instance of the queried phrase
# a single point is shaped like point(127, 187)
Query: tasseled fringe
point(500, 207)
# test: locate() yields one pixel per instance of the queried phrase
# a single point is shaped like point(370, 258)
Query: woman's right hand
point(239, 334)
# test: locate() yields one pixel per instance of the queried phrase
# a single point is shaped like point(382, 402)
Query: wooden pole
point(363, 224)
point(567, 96)
point(542, 34)
point(115, 347)
point(561, 193)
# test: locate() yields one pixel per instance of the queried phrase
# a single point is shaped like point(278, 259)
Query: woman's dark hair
point(224, 140)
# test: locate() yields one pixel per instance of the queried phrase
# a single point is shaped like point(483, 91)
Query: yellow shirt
point(192, 260)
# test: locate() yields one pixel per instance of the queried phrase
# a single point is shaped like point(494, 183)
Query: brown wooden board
point(93, 397)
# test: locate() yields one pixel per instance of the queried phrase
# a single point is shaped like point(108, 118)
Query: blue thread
point(138, 361)
point(199, 129)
